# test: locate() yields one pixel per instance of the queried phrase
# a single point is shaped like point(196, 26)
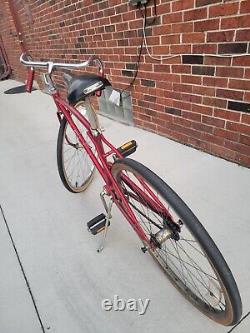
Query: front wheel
point(188, 256)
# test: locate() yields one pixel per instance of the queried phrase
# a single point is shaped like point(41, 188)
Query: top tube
point(50, 65)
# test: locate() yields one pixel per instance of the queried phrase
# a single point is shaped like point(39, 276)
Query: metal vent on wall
point(122, 113)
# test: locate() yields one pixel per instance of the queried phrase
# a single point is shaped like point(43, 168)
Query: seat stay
point(98, 140)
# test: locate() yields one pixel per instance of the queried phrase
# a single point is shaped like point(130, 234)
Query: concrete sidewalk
point(66, 277)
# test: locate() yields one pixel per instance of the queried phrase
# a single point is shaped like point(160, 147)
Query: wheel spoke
point(195, 263)
point(189, 241)
point(76, 164)
point(183, 259)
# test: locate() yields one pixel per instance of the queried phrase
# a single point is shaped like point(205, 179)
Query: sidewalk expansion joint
point(22, 269)
point(244, 317)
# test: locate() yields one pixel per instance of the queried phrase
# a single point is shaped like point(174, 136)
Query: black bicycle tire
point(218, 263)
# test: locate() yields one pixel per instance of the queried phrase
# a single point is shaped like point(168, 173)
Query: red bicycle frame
point(104, 167)
point(101, 163)
point(101, 160)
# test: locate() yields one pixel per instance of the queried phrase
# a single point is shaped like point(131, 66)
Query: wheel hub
point(163, 235)
point(170, 230)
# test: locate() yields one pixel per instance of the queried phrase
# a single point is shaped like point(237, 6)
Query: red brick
point(181, 5)
point(245, 139)
point(160, 50)
point(220, 36)
point(192, 98)
point(245, 7)
point(182, 105)
point(224, 9)
point(215, 102)
point(165, 117)
point(182, 87)
point(222, 151)
point(180, 49)
point(229, 94)
point(149, 98)
point(182, 122)
point(202, 127)
point(226, 114)
point(226, 134)
point(217, 61)
point(191, 79)
point(243, 35)
point(246, 119)
point(150, 126)
point(247, 73)
point(207, 25)
point(181, 69)
point(247, 96)
point(235, 22)
point(238, 147)
point(163, 8)
point(171, 79)
point(182, 27)
point(205, 146)
point(204, 48)
point(144, 117)
point(239, 84)
point(215, 82)
point(236, 127)
point(213, 121)
point(162, 68)
point(242, 61)
point(191, 115)
point(230, 72)
point(188, 131)
point(172, 18)
point(193, 37)
point(135, 24)
point(115, 19)
point(195, 14)
point(162, 29)
point(212, 138)
point(170, 39)
point(242, 159)
point(204, 91)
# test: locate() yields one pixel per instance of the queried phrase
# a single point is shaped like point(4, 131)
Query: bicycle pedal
point(97, 224)
point(128, 148)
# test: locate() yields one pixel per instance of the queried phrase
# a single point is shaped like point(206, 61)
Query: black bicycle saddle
point(81, 86)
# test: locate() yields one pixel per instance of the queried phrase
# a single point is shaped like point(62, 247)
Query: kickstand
point(108, 209)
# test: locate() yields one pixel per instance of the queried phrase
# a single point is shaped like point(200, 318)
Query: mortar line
point(23, 271)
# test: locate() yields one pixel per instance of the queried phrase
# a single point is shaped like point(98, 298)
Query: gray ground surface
point(67, 278)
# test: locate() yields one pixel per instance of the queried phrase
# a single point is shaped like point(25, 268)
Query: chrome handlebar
point(52, 65)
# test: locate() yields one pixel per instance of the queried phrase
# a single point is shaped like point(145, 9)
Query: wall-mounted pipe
point(5, 62)
point(18, 26)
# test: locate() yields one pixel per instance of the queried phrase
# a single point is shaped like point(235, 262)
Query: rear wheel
point(189, 257)
point(75, 167)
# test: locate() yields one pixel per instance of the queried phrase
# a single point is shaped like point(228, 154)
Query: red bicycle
point(168, 229)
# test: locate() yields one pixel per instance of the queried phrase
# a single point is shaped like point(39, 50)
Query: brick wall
point(194, 98)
